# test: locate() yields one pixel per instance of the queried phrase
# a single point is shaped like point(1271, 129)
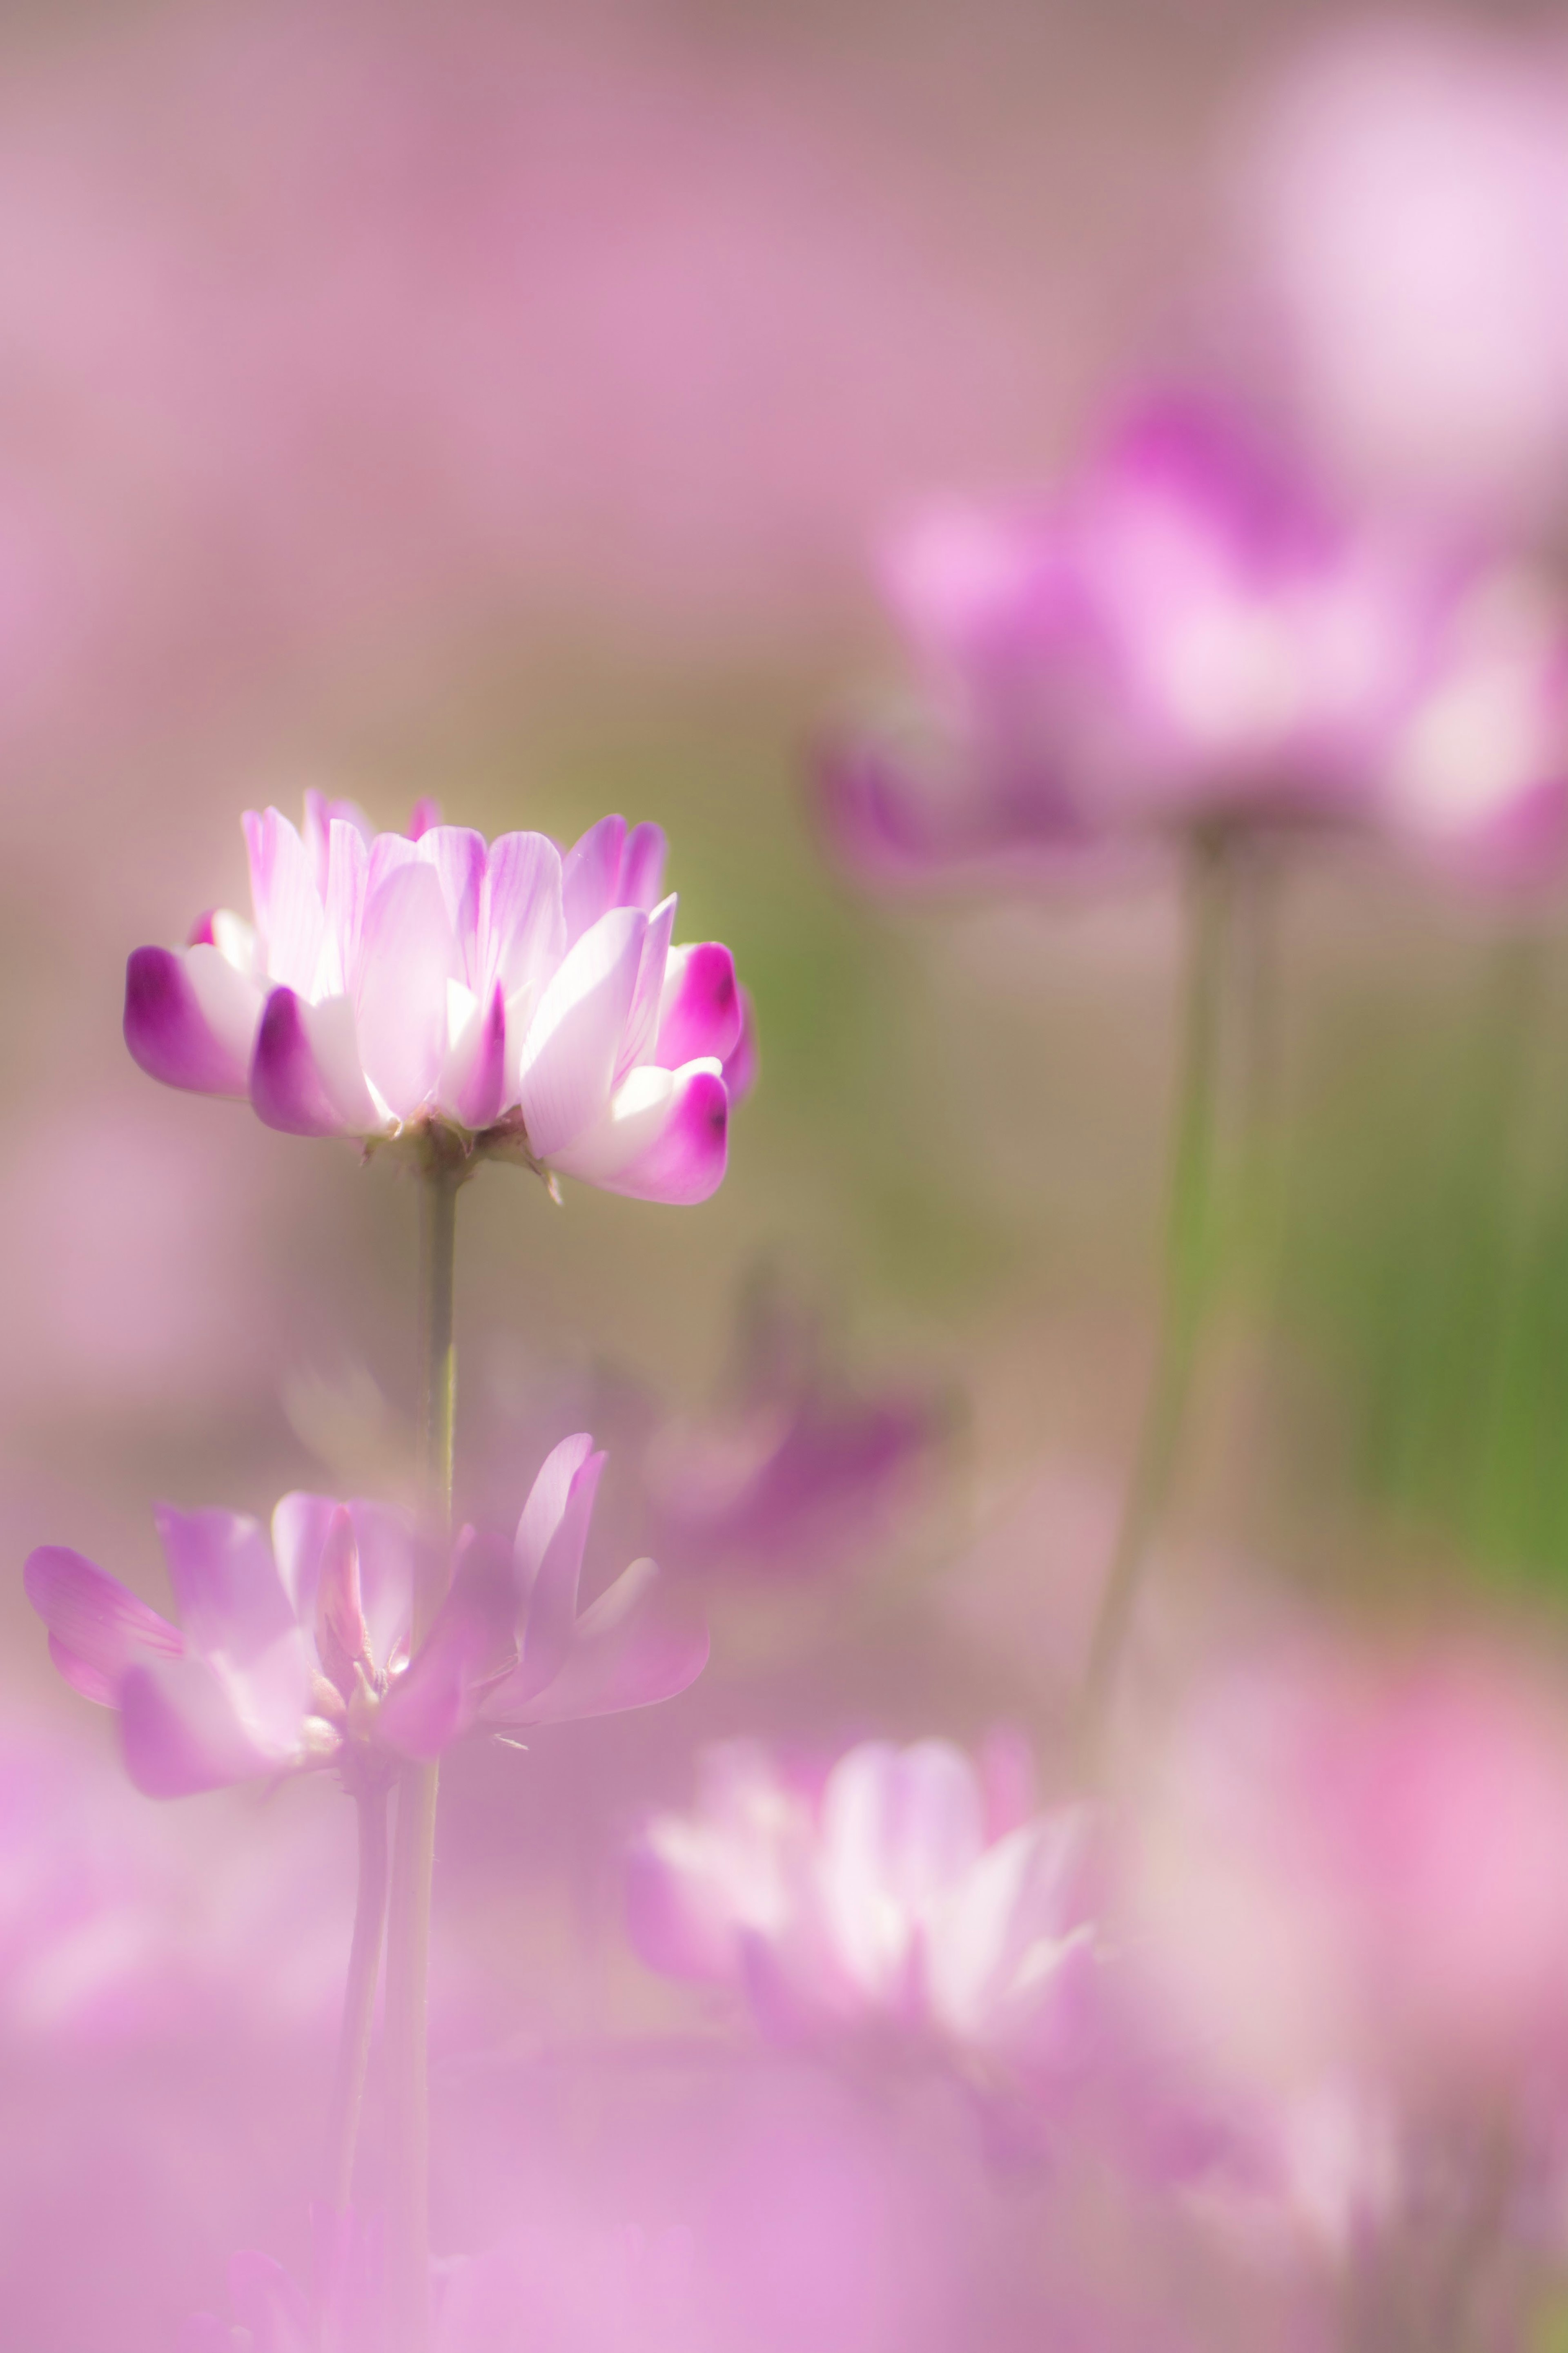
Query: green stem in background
point(359, 1996)
point(414, 1852)
point(1184, 1286)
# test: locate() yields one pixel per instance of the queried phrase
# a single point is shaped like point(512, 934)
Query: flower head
point(522, 1001)
point(293, 1651)
point(887, 1900)
point(1185, 637)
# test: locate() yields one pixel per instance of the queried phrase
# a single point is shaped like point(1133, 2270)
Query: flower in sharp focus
point(1181, 638)
point(294, 1653)
point(527, 1001)
point(888, 1899)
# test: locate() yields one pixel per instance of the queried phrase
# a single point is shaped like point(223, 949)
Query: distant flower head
point(886, 1901)
point(294, 1653)
point(1182, 636)
point(798, 1473)
point(527, 1002)
point(1348, 1867)
point(1476, 778)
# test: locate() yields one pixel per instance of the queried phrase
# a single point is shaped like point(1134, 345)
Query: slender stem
point(1186, 1269)
point(414, 1852)
point(359, 1996)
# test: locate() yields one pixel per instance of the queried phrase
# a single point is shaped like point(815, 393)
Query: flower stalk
point(414, 1852)
point(1185, 1279)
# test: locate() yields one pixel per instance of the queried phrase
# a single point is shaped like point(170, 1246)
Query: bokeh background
point(507, 404)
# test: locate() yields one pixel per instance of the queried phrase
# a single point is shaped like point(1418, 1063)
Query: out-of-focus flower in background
point(1188, 637)
point(885, 1898)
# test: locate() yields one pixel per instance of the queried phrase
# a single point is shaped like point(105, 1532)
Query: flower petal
point(547, 1555)
point(169, 1028)
point(410, 953)
point(642, 1022)
point(230, 1595)
point(700, 1014)
point(267, 2302)
point(478, 1096)
point(641, 1641)
point(590, 876)
point(522, 924)
point(98, 1627)
point(741, 1063)
point(665, 1136)
point(457, 856)
point(288, 903)
point(574, 1040)
point(305, 1076)
point(642, 867)
point(347, 873)
point(180, 1731)
point(473, 1640)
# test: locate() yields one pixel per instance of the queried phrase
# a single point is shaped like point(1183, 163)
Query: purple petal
point(548, 1558)
point(230, 1595)
point(574, 1039)
point(287, 902)
point(642, 1022)
point(479, 1097)
point(640, 1642)
point(457, 856)
point(473, 1640)
point(426, 816)
point(342, 1638)
point(642, 867)
point(97, 1628)
point(180, 1731)
point(742, 1064)
point(522, 924)
point(700, 1012)
point(590, 876)
point(383, 1542)
point(664, 1137)
point(409, 955)
point(305, 1075)
point(169, 1028)
point(344, 895)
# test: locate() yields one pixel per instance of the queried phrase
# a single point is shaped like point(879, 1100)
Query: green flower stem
point(359, 1996)
point(414, 1851)
point(1187, 1254)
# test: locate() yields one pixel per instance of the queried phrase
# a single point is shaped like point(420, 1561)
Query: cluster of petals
point(801, 1475)
point(1186, 638)
point(883, 1899)
point(531, 1001)
point(294, 1653)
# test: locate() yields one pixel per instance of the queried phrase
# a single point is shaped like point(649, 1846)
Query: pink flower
point(1180, 638)
point(529, 1002)
point(294, 1653)
point(888, 1900)
point(1476, 778)
point(1346, 1866)
point(800, 1475)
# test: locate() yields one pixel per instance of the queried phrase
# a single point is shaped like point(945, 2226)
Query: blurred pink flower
point(888, 1900)
point(1184, 637)
point(530, 1001)
point(1476, 778)
point(294, 1654)
point(801, 1474)
point(1402, 203)
point(1348, 1867)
